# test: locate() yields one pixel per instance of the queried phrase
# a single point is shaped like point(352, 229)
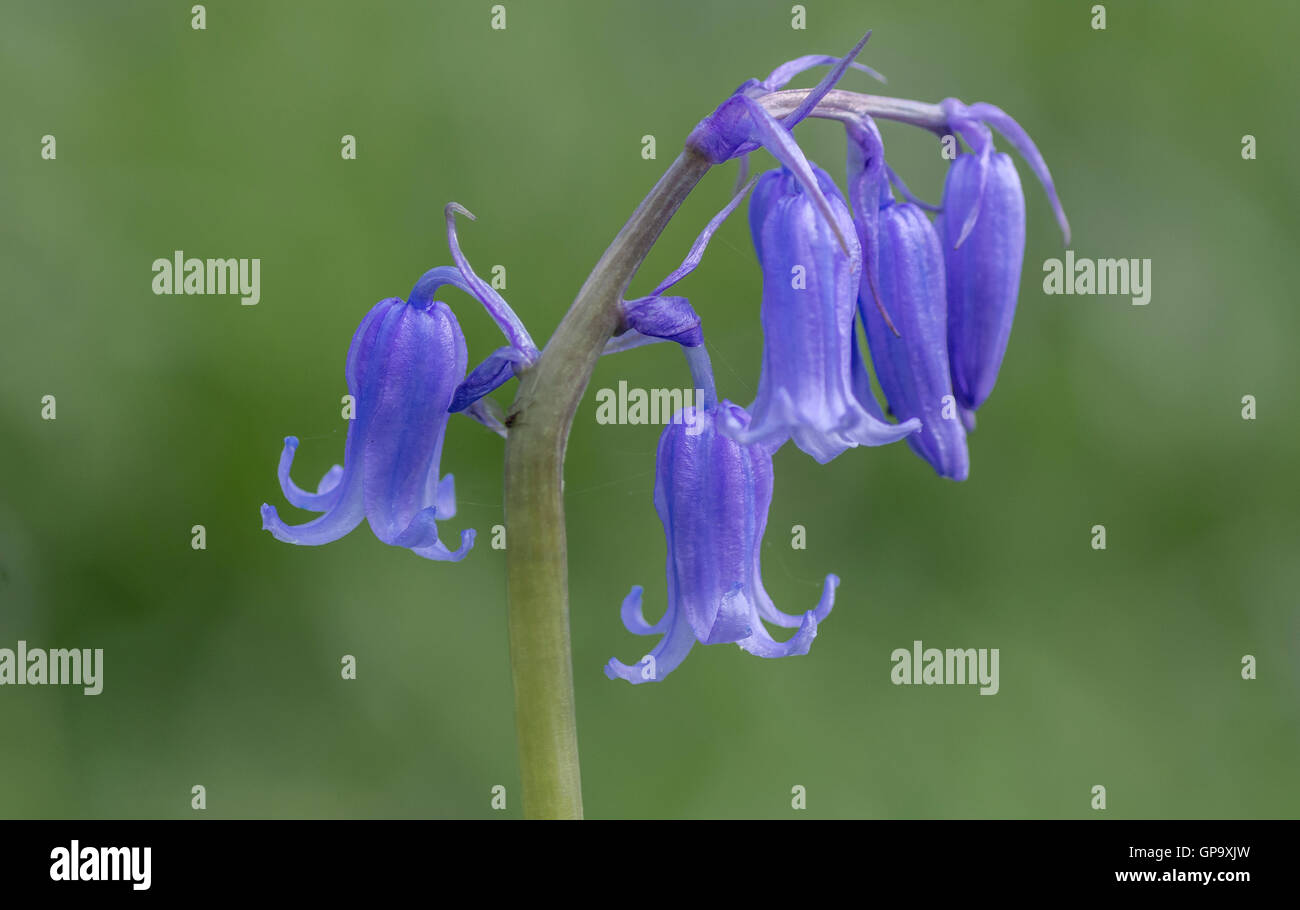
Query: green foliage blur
point(222, 666)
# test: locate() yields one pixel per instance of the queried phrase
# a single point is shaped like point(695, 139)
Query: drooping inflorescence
point(935, 299)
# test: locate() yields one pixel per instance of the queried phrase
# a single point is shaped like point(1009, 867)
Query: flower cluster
point(935, 299)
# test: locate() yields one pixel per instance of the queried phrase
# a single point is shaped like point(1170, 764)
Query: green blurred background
point(1119, 668)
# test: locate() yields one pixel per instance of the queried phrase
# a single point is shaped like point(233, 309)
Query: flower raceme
point(936, 301)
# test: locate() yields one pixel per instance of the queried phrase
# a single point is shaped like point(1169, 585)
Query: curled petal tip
point(633, 618)
point(455, 208)
point(616, 669)
point(439, 552)
point(636, 673)
point(467, 538)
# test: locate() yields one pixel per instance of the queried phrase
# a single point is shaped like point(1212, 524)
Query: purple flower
point(809, 287)
point(403, 367)
point(982, 269)
point(983, 232)
point(406, 373)
point(712, 495)
point(912, 365)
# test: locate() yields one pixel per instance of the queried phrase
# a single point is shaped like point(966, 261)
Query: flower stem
point(539, 421)
point(536, 555)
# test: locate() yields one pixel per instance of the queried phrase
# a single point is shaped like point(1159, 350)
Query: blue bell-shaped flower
point(712, 495)
point(911, 364)
point(404, 365)
point(805, 390)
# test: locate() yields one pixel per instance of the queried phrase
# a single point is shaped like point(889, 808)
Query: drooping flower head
point(912, 363)
point(406, 360)
point(983, 233)
point(712, 495)
point(810, 286)
point(903, 276)
point(406, 373)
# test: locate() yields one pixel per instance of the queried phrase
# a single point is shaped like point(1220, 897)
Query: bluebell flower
point(405, 362)
point(983, 232)
point(406, 373)
point(712, 495)
point(911, 363)
point(903, 278)
point(810, 285)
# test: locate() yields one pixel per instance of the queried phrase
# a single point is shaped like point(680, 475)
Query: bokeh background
point(1119, 668)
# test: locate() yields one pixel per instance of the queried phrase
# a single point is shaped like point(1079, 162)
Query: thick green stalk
point(537, 562)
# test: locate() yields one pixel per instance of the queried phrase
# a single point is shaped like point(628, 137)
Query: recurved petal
point(327, 492)
point(769, 612)
point(663, 658)
point(868, 430)
point(762, 644)
point(634, 619)
point(439, 551)
point(421, 537)
point(344, 515)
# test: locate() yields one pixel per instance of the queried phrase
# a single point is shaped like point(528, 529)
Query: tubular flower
point(403, 367)
point(982, 270)
point(983, 232)
point(809, 286)
point(912, 365)
point(712, 495)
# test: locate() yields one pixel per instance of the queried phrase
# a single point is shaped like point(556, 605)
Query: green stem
point(539, 423)
point(537, 563)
